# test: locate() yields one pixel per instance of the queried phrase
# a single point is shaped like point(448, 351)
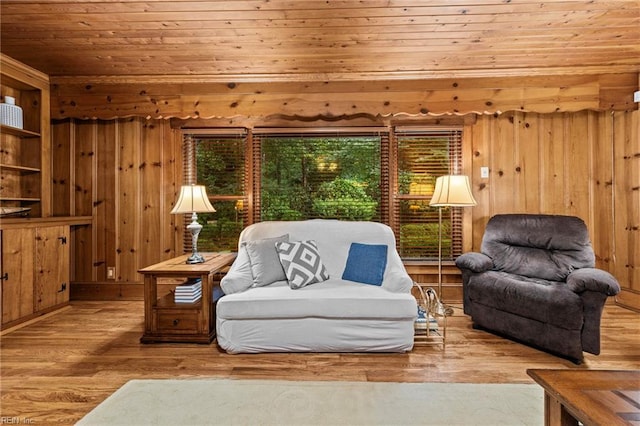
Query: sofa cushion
point(366, 263)
point(333, 298)
point(301, 262)
point(265, 264)
point(537, 299)
point(543, 246)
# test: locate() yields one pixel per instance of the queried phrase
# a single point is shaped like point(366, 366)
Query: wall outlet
point(111, 272)
point(484, 172)
point(636, 96)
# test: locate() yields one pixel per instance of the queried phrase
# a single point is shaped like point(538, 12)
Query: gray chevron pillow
point(301, 262)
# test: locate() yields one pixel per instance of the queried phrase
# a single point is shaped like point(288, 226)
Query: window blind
point(377, 173)
point(217, 160)
point(424, 154)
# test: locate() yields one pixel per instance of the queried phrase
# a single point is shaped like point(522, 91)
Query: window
point(330, 176)
point(422, 156)
point(219, 159)
point(380, 174)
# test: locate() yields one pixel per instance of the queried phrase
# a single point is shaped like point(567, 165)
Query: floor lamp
point(450, 191)
point(193, 199)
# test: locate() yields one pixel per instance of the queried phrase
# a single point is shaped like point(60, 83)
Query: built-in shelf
point(22, 133)
point(31, 222)
point(25, 157)
point(21, 169)
point(25, 200)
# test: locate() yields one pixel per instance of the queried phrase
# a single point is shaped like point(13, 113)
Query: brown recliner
point(536, 282)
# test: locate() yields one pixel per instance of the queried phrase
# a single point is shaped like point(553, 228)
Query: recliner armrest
point(593, 279)
point(475, 262)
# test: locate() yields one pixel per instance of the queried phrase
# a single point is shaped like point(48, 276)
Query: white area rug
point(277, 402)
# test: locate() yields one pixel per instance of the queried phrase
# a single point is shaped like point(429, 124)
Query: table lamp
point(450, 191)
point(193, 199)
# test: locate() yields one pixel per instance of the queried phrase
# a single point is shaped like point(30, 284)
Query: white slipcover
point(332, 316)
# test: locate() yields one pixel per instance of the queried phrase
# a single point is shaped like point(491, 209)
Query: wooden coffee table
point(593, 397)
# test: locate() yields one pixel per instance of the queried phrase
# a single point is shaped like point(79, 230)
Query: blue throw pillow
point(366, 263)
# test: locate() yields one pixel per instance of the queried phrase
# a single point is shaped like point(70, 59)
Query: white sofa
point(334, 315)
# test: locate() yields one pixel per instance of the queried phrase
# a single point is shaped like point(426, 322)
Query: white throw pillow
point(301, 262)
point(265, 264)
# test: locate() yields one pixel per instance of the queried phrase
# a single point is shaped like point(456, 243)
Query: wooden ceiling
point(294, 40)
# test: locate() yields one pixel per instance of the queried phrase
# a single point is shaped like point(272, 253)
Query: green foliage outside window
point(320, 177)
point(420, 241)
point(344, 199)
point(220, 167)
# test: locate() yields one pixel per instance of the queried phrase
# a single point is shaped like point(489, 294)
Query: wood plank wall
point(126, 174)
point(585, 164)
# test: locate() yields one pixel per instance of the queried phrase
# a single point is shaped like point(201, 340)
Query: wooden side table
point(167, 321)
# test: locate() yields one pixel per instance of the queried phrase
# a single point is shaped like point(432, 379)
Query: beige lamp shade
point(193, 199)
point(454, 191)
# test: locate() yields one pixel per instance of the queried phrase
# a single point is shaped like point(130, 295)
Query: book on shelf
point(188, 298)
point(179, 300)
point(189, 292)
point(189, 288)
point(423, 319)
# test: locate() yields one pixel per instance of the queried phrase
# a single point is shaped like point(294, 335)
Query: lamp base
point(195, 228)
point(195, 258)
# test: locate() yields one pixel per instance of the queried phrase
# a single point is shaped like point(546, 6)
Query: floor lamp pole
point(440, 256)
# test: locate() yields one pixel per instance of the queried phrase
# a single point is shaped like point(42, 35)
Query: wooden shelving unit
point(25, 156)
point(35, 250)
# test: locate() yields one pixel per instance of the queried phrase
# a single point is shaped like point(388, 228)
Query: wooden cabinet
point(17, 274)
point(51, 275)
point(35, 271)
point(25, 154)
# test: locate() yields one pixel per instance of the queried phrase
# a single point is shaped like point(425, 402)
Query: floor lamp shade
point(452, 191)
point(193, 199)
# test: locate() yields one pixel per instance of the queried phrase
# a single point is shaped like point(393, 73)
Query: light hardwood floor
point(56, 370)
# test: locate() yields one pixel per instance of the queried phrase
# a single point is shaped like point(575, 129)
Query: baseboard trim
point(107, 291)
point(35, 318)
point(628, 299)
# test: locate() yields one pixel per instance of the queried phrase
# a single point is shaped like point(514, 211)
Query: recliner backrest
point(540, 246)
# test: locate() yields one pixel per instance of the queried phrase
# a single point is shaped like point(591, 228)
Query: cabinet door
point(17, 270)
point(51, 266)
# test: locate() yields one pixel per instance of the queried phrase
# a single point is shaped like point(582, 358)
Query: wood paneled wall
point(126, 173)
point(585, 164)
